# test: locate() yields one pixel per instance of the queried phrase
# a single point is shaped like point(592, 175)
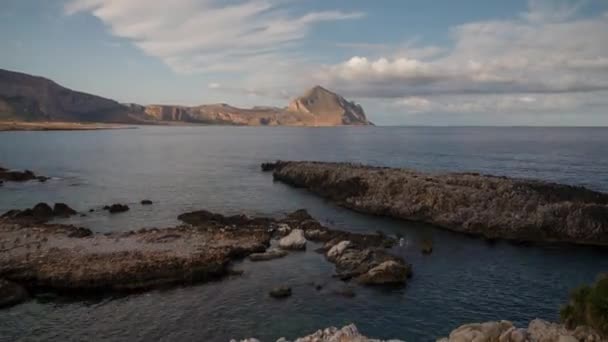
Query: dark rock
point(426, 247)
point(20, 176)
point(268, 255)
point(202, 217)
point(369, 266)
point(280, 292)
point(40, 213)
point(146, 202)
point(91, 210)
point(79, 232)
point(117, 208)
point(267, 167)
point(63, 210)
point(11, 293)
point(346, 292)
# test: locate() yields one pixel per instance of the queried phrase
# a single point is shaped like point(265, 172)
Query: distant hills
point(31, 98)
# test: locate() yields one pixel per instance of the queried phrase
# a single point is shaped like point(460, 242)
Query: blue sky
point(469, 62)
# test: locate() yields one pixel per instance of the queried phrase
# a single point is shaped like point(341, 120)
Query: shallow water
point(217, 168)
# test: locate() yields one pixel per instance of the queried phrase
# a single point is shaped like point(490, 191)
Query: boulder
point(268, 255)
point(388, 272)
point(294, 240)
point(337, 250)
point(146, 202)
point(489, 331)
point(117, 208)
point(280, 292)
point(63, 210)
point(11, 293)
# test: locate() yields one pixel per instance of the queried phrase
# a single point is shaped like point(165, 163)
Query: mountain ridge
point(25, 97)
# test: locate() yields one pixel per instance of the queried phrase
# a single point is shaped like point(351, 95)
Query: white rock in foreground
point(347, 334)
point(294, 241)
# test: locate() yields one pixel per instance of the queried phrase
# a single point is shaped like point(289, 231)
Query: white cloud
point(547, 50)
point(204, 36)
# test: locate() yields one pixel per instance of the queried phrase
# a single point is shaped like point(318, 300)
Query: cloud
point(497, 103)
point(203, 36)
point(548, 50)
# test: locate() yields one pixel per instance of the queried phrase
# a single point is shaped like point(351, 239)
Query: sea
point(217, 168)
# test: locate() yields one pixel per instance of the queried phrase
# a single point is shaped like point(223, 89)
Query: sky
point(408, 62)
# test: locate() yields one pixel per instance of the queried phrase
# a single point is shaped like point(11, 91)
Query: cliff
point(31, 98)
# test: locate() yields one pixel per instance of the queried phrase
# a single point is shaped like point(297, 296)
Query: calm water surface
point(217, 168)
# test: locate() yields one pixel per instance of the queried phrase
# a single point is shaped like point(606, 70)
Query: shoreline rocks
point(488, 206)
point(20, 176)
point(349, 333)
point(68, 259)
point(40, 213)
point(538, 331)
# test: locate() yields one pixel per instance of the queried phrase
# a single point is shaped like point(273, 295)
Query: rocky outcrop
point(19, 176)
point(40, 213)
point(493, 207)
point(537, 331)
point(280, 292)
point(116, 208)
point(270, 254)
point(69, 259)
point(328, 109)
point(295, 240)
point(348, 333)
point(368, 266)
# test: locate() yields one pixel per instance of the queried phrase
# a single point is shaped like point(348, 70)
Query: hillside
point(30, 98)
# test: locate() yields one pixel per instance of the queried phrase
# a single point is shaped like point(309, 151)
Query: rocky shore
point(502, 331)
point(348, 333)
point(537, 331)
point(35, 255)
point(7, 175)
point(489, 206)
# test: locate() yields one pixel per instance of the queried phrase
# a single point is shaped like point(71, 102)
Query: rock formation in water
point(30, 98)
point(19, 176)
point(493, 207)
point(63, 258)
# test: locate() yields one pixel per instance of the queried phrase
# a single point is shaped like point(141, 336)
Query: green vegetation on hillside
point(588, 306)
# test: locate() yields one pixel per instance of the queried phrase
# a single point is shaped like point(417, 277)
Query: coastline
point(11, 126)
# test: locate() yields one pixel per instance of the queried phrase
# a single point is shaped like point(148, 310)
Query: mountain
point(30, 98)
point(328, 108)
point(317, 107)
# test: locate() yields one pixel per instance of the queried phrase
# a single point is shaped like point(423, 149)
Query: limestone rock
point(488, 206)
point(388, 272)
point(294, 240)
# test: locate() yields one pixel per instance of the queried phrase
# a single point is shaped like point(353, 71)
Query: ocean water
point(217, 168)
